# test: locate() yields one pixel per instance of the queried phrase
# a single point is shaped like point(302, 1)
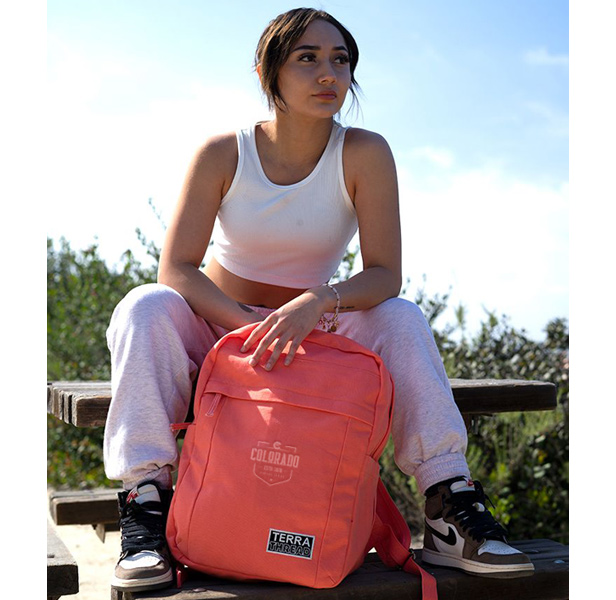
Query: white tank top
point(287, 235)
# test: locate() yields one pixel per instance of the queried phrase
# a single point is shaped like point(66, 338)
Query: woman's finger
point(282, 343)
point(256, 334)
point(294, 346)
point(263, 345)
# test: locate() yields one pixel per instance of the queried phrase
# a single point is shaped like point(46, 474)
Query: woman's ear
point(259, 74)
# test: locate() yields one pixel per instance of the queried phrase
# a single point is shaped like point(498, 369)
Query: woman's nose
point(327, 74)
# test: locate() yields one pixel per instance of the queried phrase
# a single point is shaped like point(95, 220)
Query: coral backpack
point(279, 474)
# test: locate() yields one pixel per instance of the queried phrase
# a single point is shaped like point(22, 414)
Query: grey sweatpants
point(158, 343)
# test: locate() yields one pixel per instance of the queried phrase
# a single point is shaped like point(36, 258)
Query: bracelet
point(331, 325)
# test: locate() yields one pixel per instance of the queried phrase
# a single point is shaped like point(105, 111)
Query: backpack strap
point(392, 539)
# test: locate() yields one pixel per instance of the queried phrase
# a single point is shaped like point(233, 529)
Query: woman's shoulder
point(359, 135)
point(222, 144)
point(218, 153)
point(364, 146)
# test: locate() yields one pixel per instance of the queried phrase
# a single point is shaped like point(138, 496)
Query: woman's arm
point(372, 183)
point(209, 177)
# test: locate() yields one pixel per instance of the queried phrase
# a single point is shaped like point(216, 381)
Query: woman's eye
point(342, 59)
point(306, 57)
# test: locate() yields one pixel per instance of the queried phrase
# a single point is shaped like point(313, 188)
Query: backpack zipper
point(214, 405)
point(210, 413)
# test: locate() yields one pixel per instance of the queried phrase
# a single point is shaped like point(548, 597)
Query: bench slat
point(488, 396)
point(374, 581)
point(86, 403)
point(62, 571)
point(83, 507)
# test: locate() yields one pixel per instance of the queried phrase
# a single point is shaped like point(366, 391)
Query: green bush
point(82, 292)
point(521, 458)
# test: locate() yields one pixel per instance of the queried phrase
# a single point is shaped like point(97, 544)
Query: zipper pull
point(179, 426)
point(214, 405)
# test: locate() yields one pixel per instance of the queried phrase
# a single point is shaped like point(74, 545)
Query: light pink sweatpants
point(157, 345)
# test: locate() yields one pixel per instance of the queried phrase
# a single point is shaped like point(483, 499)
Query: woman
point(289, 194)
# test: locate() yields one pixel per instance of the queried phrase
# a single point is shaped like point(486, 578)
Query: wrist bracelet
point(331, 325)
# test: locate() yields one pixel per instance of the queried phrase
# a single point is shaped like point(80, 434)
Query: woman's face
point(316, 77)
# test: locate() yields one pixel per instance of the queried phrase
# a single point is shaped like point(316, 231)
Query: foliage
point(82, 292)
point(522, 459)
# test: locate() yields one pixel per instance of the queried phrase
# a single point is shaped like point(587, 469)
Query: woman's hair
point(278, 40)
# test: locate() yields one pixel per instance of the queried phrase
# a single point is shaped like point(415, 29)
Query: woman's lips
point(331, 95)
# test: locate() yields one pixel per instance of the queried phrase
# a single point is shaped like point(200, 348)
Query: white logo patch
point(298, 545)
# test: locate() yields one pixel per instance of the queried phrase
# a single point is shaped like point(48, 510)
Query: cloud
point(498, 242)
point(441, 157)
point(556, 122)
point(541, 57)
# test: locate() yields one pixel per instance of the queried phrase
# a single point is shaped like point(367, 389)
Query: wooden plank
point(62, 571)
point(83, 507)
point(85, 404)
point(488, 396)
point(374, 581)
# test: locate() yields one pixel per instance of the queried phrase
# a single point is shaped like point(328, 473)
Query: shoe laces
point(469, 511)
point(143, 527)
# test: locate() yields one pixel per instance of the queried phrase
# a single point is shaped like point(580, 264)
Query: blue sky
point(472, 97)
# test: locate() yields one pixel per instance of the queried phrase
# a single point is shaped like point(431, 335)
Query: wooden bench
point(85, 404)
point(98, 508)
point(62, 571)
point(373, 580)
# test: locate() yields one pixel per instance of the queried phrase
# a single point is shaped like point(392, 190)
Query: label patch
point(288, 543)
point(274, 463)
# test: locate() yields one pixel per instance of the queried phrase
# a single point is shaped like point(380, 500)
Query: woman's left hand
point(290, 324)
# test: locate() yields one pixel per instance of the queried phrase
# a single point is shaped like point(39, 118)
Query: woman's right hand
point(290, 325)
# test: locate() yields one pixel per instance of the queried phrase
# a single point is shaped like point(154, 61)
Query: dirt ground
point(95, 559)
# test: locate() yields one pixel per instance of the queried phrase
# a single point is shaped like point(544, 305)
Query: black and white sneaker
point(144, 563)
point(460, 532)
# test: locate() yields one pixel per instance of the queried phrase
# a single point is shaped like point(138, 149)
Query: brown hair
point(276, 44)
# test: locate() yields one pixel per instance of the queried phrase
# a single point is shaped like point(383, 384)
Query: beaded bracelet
point(331, 325)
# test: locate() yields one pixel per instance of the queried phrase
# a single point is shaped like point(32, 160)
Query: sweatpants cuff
point(161, 476)
point(439, 468)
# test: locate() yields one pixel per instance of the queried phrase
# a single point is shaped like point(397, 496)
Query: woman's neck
point(293, 141)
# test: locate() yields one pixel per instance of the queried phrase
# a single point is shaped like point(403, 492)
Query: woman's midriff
point(249, 292)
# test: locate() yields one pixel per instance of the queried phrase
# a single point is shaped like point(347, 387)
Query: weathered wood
point(80, 403)
point(62, 571)
point(488, 396)
point(85, 404)
point(374, 581)
point(83, 507)
point(102, 529)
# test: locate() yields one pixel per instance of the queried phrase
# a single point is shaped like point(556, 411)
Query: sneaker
point(145, 562)
point(461, 532)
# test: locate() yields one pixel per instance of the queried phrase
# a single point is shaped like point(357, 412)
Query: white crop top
point(288, 235)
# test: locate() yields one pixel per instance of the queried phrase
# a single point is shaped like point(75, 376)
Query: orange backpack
point(279, 474)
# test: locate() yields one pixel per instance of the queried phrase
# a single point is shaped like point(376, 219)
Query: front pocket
point(287, 472)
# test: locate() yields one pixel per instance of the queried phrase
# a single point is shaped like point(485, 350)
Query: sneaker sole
point(142, 585)
point(474, 568)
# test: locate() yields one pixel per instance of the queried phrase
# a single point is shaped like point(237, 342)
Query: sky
point(473, 98)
